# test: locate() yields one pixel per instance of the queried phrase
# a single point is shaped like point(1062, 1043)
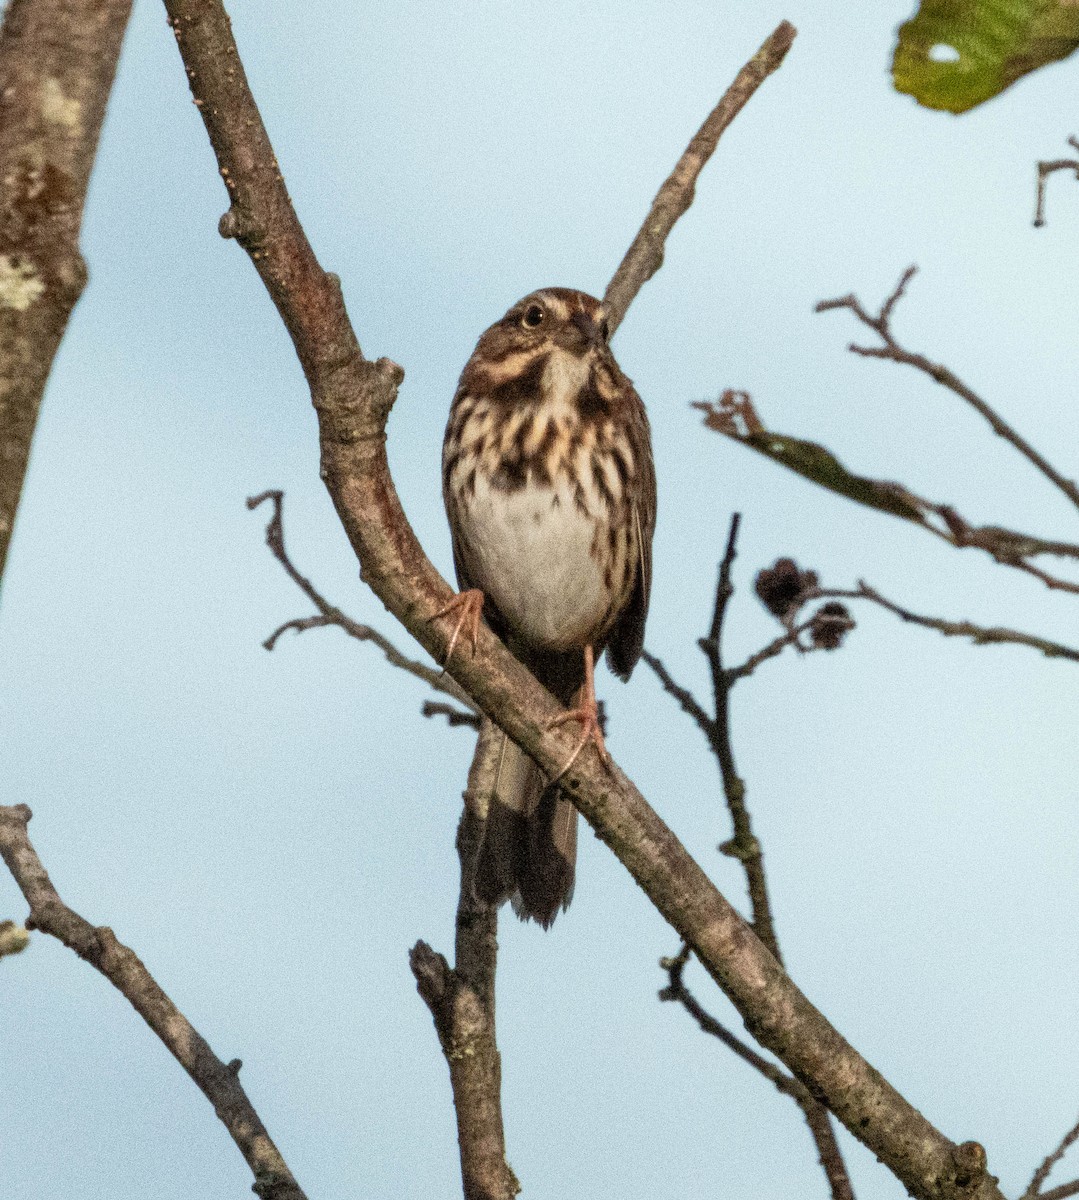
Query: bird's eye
point(533, 316)
point(605, 330)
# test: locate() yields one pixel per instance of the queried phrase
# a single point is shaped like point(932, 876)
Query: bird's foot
point(587, 712)
point(588, 715)
point(470, 604)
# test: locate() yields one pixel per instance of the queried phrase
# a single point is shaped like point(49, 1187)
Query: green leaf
point(992, 44)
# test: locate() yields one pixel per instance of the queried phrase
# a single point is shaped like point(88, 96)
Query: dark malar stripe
point(590, 400)
point(523, 388)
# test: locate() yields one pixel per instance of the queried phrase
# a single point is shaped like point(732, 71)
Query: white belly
point(530, 551)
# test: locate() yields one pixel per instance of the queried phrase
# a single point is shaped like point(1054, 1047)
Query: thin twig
point(218, 1081)
point(1034, 1188)
point(331, 615)
point(455, 717)
point(743, 845)
point(686, 700)
point(677, 991)
point(772, 650)
point(353, 397)
point(815, 1114)
point(1063, 1192)
point(1053, 582)
point(301, 625)
point(462, 1001)
point(891, 350)
point(980, 635)
point(1045, 169)
point(747, 849)
point(645, 256)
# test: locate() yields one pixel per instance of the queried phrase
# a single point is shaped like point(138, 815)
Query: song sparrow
point(551, 496)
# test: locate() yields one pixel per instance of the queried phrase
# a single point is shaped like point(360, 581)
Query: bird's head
point(558, 318)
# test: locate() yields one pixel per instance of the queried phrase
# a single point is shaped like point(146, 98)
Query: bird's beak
point(587, 328)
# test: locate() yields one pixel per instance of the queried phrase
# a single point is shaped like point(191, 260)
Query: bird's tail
point(529, 847)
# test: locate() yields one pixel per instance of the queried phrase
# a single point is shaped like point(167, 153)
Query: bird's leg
point(471, 605)
point(587, 712)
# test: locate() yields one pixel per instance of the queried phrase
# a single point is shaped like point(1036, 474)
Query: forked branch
point(735, 416)
point(881, 324)
point(1045, 169)
point(746, 848)
point(1034, 1188)
point(329, 615)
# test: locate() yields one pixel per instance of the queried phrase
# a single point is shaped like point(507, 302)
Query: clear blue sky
point(272, 832)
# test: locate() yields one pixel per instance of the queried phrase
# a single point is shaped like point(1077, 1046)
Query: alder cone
point(551, 496)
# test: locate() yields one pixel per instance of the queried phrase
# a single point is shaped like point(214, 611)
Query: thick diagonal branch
point(353, 398)
point(98, 945)
point(57, 62)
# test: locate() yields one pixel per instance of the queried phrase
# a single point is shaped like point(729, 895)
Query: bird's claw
point(588, 715)
point(471, 605)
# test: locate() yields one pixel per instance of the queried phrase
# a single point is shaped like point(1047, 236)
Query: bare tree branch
point(677, 992)
point(881, 325)
point(645, 256)
point(735, 416)
point(353, 398)
point(455, 717)
point(981, 635)
point(1034, 1188)
point(462, 1002)
point(686, 700)
point(1062, 1192)
point(330, 615)
point(815, 1114)
point(57, 62)
point(747, 849)
point(219, 1082)
point(743, 846)
point(1045, 169)
point(1051, 581)
point(772, 650)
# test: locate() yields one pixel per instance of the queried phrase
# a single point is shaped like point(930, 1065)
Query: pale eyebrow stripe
point(556, 305)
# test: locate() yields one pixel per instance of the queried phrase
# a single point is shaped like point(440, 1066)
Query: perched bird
point(550, 491)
